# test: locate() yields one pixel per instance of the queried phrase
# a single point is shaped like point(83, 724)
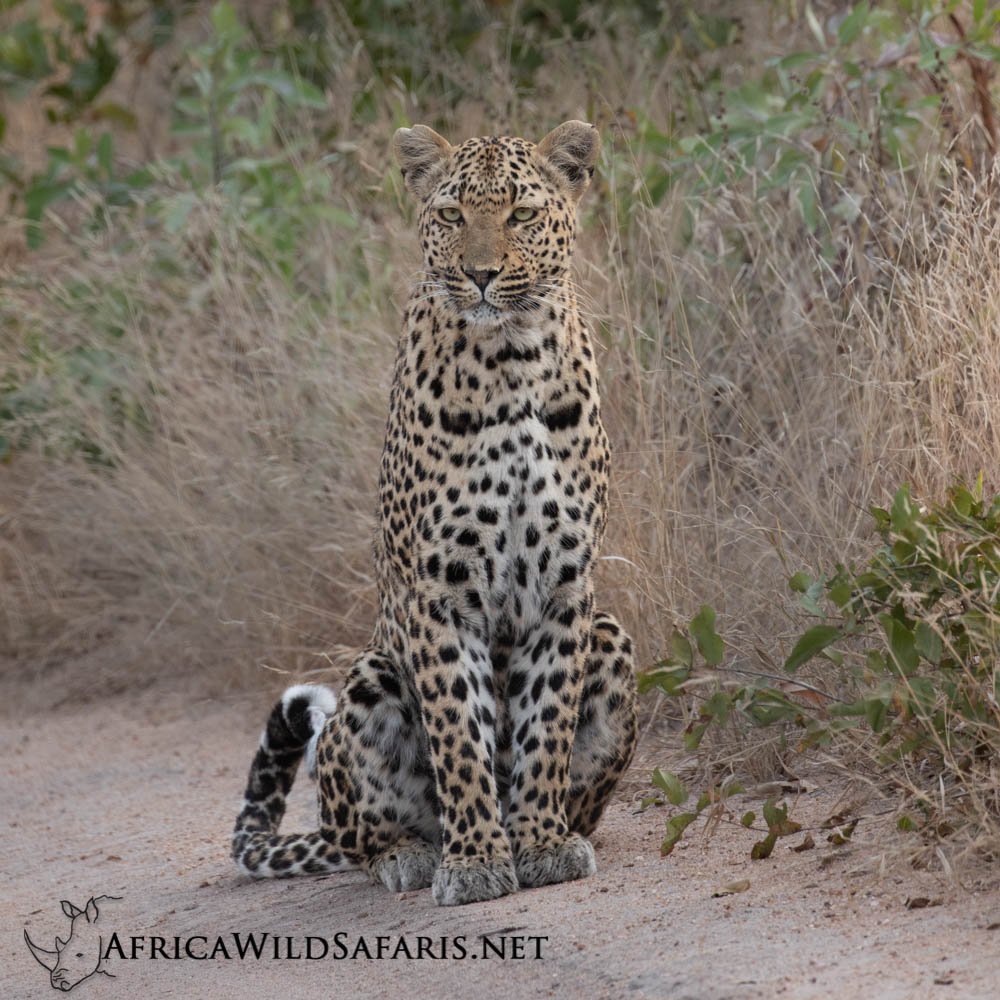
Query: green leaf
point(850, 708)
point(747, 819)
point(800, 582)
point(649, 679)
point(116, 113)
point(671, 785)
point(811, 642)
point(693, 735)
point(105, 154)
point(676, 826)
point(928, 643)
point(680, 648)
point(834, 656)
point(808, 204)
point(37, 198)
point(902, 644)
point(768, 706)
point(74, 13)
point(718, 707)
point(876, 662)
point(810, 599)
point(841, 594)
point(881, 518)
point(773, 813)
point(814, 25)
point(24, 51)
point(718, 794)
point(903, 550)
point(226, 23)
point(925, 694)
point(875, 712)
point(795, 60)
point(778, 823)
point(853, 24)
point(789, 164)
point(962, 500)
point(903, 514)
point(710, 645)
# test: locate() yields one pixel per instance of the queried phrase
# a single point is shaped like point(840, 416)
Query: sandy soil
point(135, 798)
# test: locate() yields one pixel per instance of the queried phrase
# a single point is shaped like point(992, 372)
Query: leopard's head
point(497, 216)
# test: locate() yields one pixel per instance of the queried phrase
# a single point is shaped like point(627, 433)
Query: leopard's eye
point(524, 214)
point(450, 214)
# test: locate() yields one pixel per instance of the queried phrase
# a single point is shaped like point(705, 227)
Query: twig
point(783, 680)
point(981, 71)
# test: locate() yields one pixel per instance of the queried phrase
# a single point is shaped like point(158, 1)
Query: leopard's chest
point(519, 571)
point(508, 528)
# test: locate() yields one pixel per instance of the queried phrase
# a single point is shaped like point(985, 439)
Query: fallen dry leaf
point(732, 888)
point(843, 834)
point(762, 849)
point(920, 902)
point(807, 844)
point(835, 820)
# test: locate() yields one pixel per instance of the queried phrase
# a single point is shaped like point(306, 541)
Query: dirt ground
point(135, 797)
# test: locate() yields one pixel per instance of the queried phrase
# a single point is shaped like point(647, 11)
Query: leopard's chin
point(484, 318)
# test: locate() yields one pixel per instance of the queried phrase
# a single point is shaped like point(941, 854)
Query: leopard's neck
point(449, 360)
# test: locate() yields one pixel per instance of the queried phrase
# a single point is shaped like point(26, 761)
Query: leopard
point(479, 736)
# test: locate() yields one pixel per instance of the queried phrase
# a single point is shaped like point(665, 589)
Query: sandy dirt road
point(135, 798)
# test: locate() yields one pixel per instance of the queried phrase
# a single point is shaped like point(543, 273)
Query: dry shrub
point(231, 523)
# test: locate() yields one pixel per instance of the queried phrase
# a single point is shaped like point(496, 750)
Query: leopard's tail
point(293, 729)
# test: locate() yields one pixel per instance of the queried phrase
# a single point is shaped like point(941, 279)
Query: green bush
point(872, 90)
point(918, 629)
point(910, 641)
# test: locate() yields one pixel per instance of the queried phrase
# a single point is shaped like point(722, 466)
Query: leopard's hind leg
point(606, 725)
point(376, 777)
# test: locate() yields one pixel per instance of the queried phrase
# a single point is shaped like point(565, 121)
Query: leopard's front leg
point(543, 692)
point(452, 669)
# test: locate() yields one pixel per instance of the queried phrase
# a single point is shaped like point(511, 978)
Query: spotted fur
point(479, 736)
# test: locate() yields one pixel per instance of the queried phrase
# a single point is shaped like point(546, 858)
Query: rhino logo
point(82, 954)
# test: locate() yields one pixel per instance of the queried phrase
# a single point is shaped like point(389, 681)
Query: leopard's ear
point(420, 151)
point(571, 149)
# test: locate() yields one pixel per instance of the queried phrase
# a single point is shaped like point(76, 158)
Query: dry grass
point(237, 529)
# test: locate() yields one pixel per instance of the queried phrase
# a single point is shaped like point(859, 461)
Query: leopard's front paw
point(563, 861)
point(407, 866)
point(473, 882)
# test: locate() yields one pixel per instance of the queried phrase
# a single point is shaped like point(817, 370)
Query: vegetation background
point(790, 259)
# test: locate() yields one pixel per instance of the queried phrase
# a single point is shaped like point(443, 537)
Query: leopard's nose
point(480, 278)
